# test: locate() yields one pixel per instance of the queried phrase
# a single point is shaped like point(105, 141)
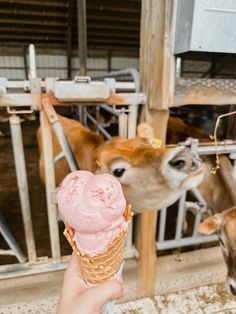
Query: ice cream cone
point(102, 267)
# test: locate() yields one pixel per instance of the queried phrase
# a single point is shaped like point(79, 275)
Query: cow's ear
point(211, 224)
point(145, 130)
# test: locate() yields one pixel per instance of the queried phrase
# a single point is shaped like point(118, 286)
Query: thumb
point(105, 292)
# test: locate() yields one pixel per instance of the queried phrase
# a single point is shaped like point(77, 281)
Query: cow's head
point(224, 225)
point(151, 178)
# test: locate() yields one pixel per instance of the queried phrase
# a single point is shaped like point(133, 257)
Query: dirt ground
point(9, 198)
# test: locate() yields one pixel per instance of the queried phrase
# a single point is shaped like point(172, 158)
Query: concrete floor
point(187, 283)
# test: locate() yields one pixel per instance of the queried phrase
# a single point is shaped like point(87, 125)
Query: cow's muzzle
point(230, 285)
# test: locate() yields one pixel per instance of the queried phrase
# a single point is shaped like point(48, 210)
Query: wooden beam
point(32, 21)
point(56, 4)
point(157, 77)
point(112, 26)
point(147, 254)
point(25, 62)
point(110, 17)
point(107, 32)
point(124, 41)
point(155, 52)
point(115, 8)
point(109, 56)
point(69, 38)
point(24, 29)
point(111, 33)
point(147, 223)
point(82, 36)
point(51, 37)
point(26, 11)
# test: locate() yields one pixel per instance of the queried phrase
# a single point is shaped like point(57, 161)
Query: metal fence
point(35, 94)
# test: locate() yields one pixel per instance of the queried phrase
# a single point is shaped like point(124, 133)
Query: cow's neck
point(83, 142)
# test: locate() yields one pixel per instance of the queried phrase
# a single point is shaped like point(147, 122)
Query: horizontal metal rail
point(127, 72)
point(188, 241)
point(223, 147)
point(26, 86)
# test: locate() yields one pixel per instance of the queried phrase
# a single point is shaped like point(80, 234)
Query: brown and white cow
point(220, 193)
point(218, 190)
point(224, 225)
point(151, 178)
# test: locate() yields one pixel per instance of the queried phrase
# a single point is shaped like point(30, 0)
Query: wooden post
point(82, 36)
point(157, 82)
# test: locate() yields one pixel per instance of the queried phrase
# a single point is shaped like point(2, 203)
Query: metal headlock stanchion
point(50, 184)
point(33, 97)
point(22, 183)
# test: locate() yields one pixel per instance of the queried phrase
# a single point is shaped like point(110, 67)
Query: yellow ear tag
point(155, 142)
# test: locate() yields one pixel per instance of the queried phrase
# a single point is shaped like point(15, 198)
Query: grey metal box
point(205, 25)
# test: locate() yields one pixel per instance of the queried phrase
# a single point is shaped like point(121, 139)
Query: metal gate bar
point(19, 157)
point(50, 185)
point(181, 216)
point(67, 151)
point(15, 249)
point(171, 244)
point(162, 225)
point(99, 127)
point(133, 108)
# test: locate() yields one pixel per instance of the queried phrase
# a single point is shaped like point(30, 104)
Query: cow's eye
point(118, 172)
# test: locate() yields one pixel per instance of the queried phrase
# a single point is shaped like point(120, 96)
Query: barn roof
point(111, 24)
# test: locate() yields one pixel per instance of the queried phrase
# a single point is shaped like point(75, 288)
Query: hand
point(78, 298)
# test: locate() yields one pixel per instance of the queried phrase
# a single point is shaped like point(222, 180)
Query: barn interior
point(78, 38)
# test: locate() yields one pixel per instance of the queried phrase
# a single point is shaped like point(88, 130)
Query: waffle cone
point(102, 267)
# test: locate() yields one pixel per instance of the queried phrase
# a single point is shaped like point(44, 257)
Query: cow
point(178, 131)
point(224, 225)
point(220, 193)
point(213, 186)
point(151, 178)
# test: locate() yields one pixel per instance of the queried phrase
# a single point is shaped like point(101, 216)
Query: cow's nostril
point(178, 164)
point(194, 166)
point(232, 289)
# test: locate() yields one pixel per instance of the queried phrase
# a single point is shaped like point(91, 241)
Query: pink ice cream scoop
point(93, 205)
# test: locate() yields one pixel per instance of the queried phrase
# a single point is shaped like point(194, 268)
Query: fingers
point(103, 293)
point(73, 266)
point(74, 278)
